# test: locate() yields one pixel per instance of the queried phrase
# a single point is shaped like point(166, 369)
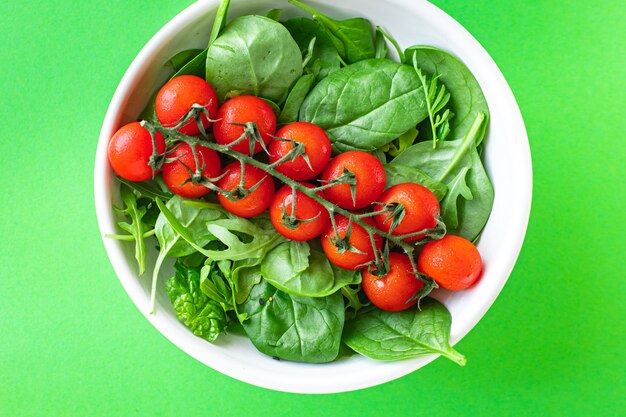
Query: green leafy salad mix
point(338, 265)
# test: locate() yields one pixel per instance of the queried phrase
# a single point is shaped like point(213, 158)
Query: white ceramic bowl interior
point(507, 159)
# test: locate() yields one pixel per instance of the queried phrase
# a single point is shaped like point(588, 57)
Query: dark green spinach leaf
point(391, 336)
point(353, 38)
point(295, 99)
point(294, 328)
point(325, 58)
point(398, 174)
point(366, 105)
point(298, 269)
point(254, 55)
point(178, 61)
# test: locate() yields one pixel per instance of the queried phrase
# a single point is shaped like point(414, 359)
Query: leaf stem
point(468, 140)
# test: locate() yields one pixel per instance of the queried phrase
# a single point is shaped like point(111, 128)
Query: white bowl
point(507, 159)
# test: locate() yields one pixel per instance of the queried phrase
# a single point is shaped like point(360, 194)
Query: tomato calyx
point(156, 160)
point(346, 177)
point(252, 134)
point(240, 191)
point(290, 220)
point(343, 244)
point(395, 211)
point(195, 113)
point(297, 149)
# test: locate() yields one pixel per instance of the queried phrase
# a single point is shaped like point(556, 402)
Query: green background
point(72, 342)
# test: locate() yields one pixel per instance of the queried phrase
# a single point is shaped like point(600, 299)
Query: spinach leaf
point(397, 146)
point(246, 274)
point(196, 66)
point(445, 164)
point(390, 336)
point(294, 328)
point(295, 99)
point(366, 105)
point(325, 58)
point(204, 317)
point(178, 61)
point(254, 55)
point(297, 269)
point(274, 14)
point(136, 227)
point(458, 188)
point(398, 174)
point(220, 20)
point(466, 96)
point(190, 219)
point(261, 235)
point(353, 37)
point(382, 50)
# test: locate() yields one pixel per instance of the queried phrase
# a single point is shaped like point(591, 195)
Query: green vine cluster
point(395, 211)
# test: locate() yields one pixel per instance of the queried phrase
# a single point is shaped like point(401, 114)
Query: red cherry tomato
point(316, 146)
point(359, 239)
point(256, 201)
point(370, 179)
point(391, 292)
point(176, 173)
point(241, 110)
point(306, 209)
point(176, 97)
point(421, 209)
point(453, 262)
point(130, 150)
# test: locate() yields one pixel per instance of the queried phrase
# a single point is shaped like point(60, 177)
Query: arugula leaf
point(136, 227)
point(204, 317)
point(458, 188)
point(436, 99)
point(297, 269)
point(294, 328)
point(261, 234)
point(466, 97)
point(390, 336)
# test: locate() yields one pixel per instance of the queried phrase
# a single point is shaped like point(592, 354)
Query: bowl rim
point(104, 211)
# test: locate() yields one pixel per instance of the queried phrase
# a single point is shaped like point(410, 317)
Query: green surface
point(72, 343)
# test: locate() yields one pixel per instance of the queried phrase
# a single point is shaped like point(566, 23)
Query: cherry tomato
point(306, 209)
point(453, 262)
point(316, 146)
point(176, 97)
point(130, 150)
point(241, 110)
point(421, 209)
point(253, 203)
point(177, 172)
point(359, 239)
point(370, 179)
point(391, 292)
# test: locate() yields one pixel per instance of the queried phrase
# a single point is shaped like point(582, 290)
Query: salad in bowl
point(314, 185)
